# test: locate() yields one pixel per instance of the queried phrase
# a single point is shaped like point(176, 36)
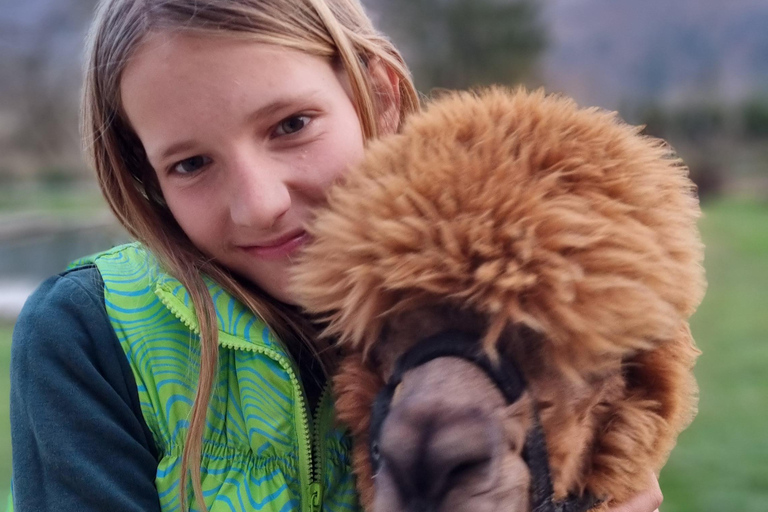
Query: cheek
point(345, 148)
point(330, 165)
point(197, 214)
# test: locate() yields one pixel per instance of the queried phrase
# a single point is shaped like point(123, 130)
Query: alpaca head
point(555, 237)
point(464, 431)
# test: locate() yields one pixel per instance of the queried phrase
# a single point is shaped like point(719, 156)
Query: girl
point(215, 128)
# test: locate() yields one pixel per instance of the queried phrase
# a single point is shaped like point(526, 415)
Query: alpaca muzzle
point(506, 376)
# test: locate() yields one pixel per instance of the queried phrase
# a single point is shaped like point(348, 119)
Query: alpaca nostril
point(460, 462)
point(431, 452)
point(465, 470)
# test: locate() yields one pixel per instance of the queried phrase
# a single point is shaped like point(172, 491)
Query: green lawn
point(5, 427)
point(721, 461)
point(68, 198)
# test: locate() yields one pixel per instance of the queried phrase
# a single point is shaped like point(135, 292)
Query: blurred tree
point(699, 122)
point(698, 131)
point(461, 43)
point(654, 117)
point(755, 114)
point(44, 42)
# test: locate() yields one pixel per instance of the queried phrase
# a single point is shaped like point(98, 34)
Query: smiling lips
point(280, 247)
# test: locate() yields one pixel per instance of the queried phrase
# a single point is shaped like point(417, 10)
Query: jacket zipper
point(316, 485)
point(311, 474)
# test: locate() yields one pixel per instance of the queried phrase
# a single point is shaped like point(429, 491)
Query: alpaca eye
point(375, 451)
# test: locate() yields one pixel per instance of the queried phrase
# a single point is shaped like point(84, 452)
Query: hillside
point(610, 52)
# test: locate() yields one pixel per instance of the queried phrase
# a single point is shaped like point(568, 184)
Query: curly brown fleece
point(526, 210)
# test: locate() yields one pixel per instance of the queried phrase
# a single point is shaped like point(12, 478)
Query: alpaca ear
point(386, 87)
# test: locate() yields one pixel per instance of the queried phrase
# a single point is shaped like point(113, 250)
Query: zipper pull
point(316, 496)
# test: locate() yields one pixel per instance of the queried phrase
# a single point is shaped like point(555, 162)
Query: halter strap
point(509, 380)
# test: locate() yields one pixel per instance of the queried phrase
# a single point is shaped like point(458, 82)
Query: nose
point(431, 448)
point(259, 194)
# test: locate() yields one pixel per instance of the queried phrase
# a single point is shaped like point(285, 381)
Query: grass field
point(721, 461)
point(68, 198)
point(5, 427)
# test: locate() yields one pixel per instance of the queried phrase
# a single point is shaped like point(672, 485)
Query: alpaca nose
point(430, 448)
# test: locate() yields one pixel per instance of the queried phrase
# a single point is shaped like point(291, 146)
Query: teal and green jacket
point(103, 381)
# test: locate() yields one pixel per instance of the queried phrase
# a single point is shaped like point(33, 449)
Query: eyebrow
point(267, 110)
point(177, 147)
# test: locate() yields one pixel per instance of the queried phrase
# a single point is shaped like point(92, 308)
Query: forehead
point(181, 53)
point(183, 90)
point(186, 76)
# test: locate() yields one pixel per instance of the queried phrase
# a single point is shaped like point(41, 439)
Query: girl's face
point(245, 139)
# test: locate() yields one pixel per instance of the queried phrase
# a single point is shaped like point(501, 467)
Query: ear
point(386, 87)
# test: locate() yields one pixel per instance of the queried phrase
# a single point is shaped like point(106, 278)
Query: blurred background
point(694, 72)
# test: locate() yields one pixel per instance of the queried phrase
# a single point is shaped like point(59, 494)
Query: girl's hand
point(647, 501)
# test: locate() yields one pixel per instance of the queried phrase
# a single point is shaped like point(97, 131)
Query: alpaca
point(554, 251)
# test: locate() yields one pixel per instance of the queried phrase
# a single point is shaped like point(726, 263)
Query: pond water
point(27, 260)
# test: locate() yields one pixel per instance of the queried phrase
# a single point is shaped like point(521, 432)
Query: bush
point(755, 116)
point(57, 176)
point(707, 174)
point(698, 122)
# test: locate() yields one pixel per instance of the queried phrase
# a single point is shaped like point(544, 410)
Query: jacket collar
point(238, 326)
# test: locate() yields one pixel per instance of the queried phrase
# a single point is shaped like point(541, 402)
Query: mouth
point(278, 248)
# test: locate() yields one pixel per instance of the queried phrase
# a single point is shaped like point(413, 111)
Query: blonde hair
point(335, 29)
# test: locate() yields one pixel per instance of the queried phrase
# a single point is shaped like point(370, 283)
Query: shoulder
point(67, 306)
point(82, 286)
point(65, 353)
point(71, 304)
point(63, 332)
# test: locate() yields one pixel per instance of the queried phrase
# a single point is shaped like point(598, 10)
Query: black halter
point(510, 382)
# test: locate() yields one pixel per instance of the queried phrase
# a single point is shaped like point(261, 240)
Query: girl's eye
point(190, 165)
point(291, 125)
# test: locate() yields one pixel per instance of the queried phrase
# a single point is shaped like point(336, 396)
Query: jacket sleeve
point(79, 438)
